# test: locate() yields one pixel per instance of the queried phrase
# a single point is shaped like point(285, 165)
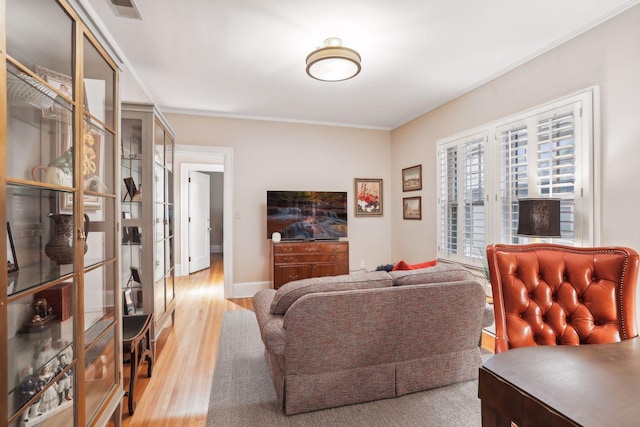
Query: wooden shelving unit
point(60, 321)
point(146, 163)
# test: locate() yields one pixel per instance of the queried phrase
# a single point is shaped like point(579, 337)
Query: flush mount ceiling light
point(332, 62)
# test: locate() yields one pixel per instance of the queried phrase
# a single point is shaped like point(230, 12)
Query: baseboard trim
point(248, 289)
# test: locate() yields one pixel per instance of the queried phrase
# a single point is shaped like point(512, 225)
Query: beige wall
point(607, 56)
point(288, 156)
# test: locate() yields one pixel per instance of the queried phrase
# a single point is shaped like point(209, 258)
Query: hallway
point(178, 392)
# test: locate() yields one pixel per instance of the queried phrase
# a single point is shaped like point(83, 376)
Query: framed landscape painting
point(412, 208)
point(368, 195)
point(412, 178)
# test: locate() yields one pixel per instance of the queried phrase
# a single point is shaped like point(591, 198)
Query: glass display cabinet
point(60, 330)
point(147, 260)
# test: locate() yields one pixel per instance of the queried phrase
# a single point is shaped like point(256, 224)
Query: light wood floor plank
point(177, 394)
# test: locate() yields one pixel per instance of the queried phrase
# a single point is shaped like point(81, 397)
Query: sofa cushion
point(436, 274)
point(290, 292)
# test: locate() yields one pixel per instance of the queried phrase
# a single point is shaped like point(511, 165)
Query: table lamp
point(539, 217)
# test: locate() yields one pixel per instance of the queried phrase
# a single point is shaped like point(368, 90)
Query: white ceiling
point(246, 58)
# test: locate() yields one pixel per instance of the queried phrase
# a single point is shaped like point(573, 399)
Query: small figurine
point(50, 397)
point(42, 311)
point(27, 389)
point(47, 354)
point(64, 383)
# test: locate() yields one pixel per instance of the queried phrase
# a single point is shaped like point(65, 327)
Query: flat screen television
point(307, 215)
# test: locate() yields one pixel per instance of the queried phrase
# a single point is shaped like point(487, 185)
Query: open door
point(199, 221)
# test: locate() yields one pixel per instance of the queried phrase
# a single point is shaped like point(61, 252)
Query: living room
point(262, 152)
point(604, 56)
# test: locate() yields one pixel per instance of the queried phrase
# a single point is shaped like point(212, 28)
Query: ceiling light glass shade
point(333, 63)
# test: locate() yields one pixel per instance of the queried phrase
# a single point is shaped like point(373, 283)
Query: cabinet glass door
point(100, 214)
point(41, 278)
point(131, 274)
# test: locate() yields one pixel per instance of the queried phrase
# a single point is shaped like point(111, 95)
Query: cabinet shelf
point(36, 275)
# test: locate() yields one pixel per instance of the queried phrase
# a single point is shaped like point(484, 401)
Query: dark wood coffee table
point(136, 347)
point(587, 385)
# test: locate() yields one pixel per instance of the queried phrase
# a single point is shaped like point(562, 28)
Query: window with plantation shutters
point(449, 200)
point(473, 197)
point(461, 199)
point(514, 182)
point(543, 152)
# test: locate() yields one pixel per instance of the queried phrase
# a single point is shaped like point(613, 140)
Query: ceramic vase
point(60, 247)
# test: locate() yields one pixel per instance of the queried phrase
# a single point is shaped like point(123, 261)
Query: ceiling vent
point(125, 9)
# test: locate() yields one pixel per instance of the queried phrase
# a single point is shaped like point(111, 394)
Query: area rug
point(242, 393)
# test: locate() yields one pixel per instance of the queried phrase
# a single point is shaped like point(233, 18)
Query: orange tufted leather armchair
point(547, 294)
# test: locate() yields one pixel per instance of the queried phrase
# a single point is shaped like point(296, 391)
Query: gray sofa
point(340, 340)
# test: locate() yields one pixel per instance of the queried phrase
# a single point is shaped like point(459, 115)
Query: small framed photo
point(135, 274)
point(128, 306)
point(12, 259)
point(412, 178)
point(61, 82)
point(368, 197)
point(412, 208)
point(131, 188)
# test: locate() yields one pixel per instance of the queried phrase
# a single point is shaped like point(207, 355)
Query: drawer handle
point(285, 249)
point(287, 258)
point(311, 249)
point(295, 277)
point(332, 257)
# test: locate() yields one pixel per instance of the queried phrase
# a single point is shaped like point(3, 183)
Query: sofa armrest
point(271, 325)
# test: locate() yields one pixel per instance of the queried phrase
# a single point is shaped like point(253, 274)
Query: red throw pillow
point(402, 265)
point(424, 264)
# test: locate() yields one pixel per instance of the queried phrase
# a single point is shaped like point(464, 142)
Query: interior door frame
point(218, 159)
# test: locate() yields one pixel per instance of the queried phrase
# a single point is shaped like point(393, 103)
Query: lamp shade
point(539, 217)
point(333, 62)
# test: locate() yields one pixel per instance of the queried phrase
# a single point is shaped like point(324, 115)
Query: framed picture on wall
point(368, 197)
point(412, 208)
point(412, 178)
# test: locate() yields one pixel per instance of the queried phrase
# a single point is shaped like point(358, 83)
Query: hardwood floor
point(177, 394)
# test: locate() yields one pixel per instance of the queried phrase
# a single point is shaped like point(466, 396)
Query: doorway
point(199, 188)
point(218, 160)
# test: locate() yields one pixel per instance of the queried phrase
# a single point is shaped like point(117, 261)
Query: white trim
point(596, 179)
point(248, 289)
point(207, 113)
point(218, 159)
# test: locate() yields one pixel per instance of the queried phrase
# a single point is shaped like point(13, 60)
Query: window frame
point(585, 105)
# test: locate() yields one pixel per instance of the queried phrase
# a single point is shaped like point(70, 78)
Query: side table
point(136, 346)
